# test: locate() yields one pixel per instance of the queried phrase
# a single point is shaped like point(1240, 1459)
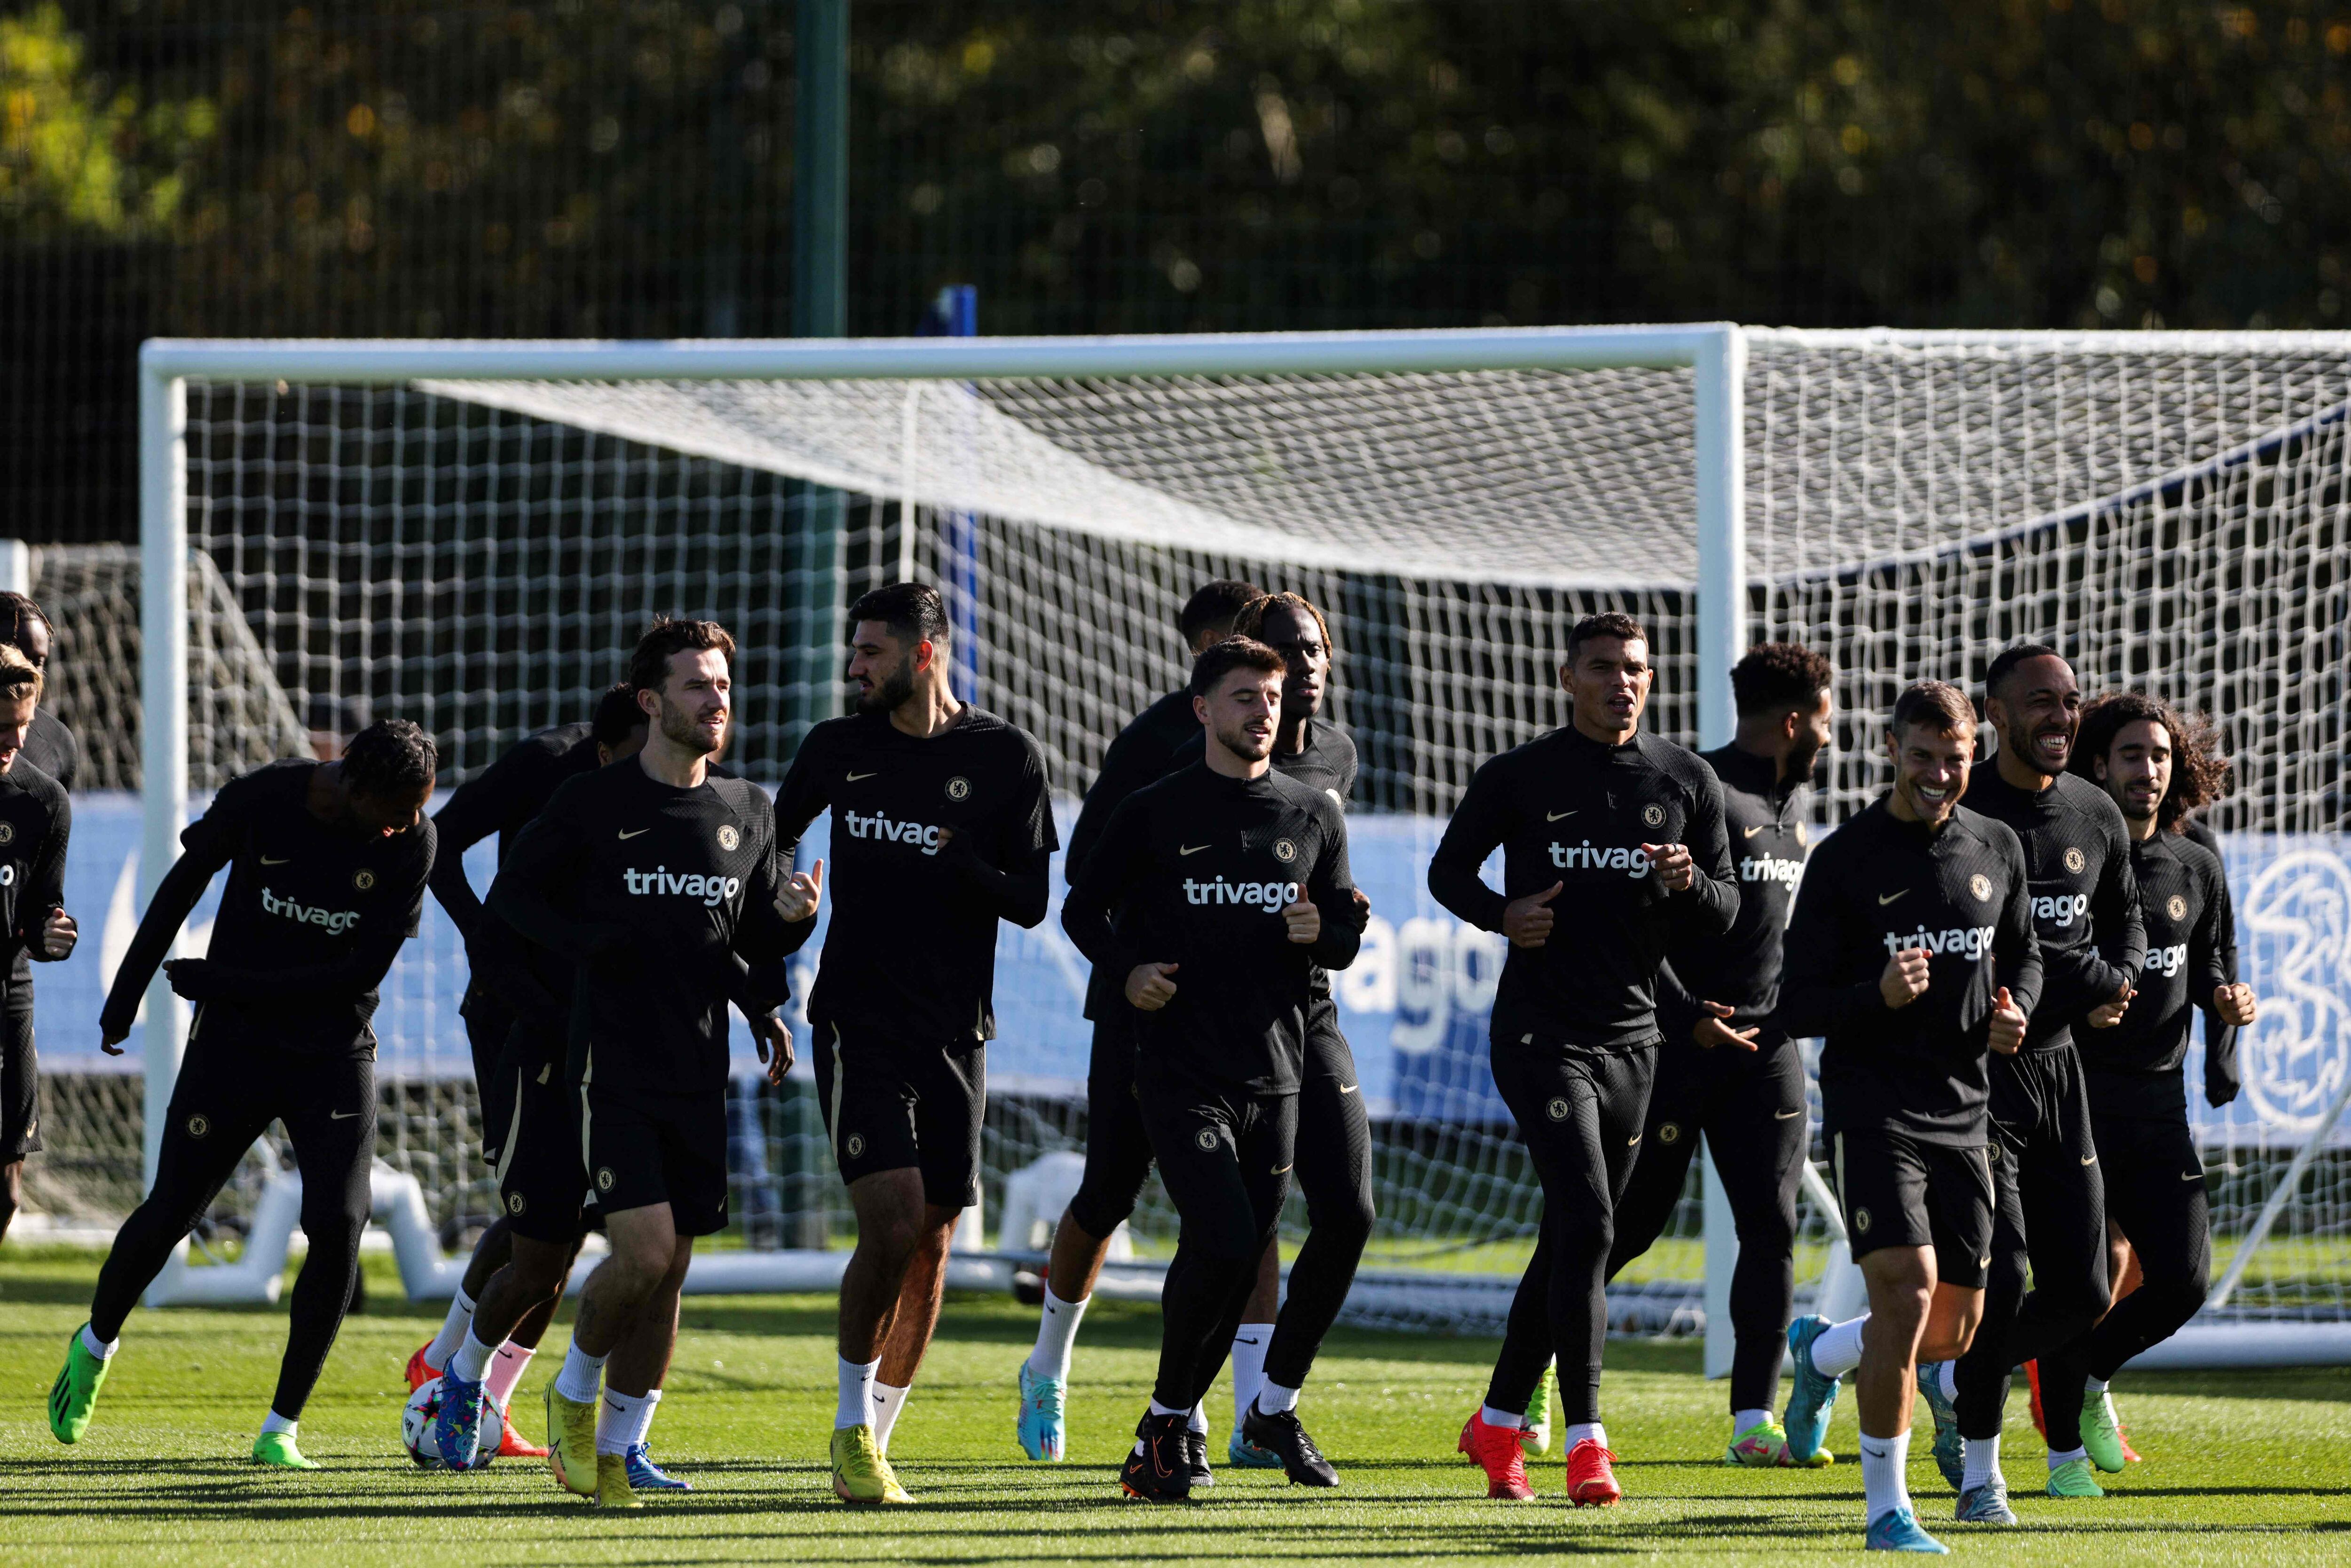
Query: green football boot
point(2102, 1434)
point(276, 1449)
point(1537, 1432)
point(2072, 1478)
point(75, 1393)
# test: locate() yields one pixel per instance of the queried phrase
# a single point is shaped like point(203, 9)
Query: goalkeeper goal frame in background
point(1723, 606)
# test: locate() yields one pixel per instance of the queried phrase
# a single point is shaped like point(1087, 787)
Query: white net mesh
point(478, 556)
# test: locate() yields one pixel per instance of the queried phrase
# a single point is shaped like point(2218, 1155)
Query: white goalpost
point(467, 533)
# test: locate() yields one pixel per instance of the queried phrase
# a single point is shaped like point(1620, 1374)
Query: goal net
point(473, 541)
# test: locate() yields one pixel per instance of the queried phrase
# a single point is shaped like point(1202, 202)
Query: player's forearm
point(1678, 1007)
point(1454, 881)
point(1810, 1008)
point(1019, 894)
point(456, 895)
point(1713, 900)
point(1085, 916)
point(1340, 938)
point(175, 899)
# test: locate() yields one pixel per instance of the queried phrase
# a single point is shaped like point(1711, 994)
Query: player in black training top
point(942, 827)
point(1912, 954)
point(2158, 766)
point(50, 747)
point(1118, 1155)
point(326, 862)
point(1206, 892)
point(651, 876)
point(1727, 1070)
point(1629, 828)
point(2050, 1195)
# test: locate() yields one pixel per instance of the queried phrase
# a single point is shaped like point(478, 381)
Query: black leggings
point(2155, 1194)
point(1751, 1107)
point(1334, 1171)
point(2049, 1209)
point(1225, 1158)
point(1581, 1116)
point(226, 1098)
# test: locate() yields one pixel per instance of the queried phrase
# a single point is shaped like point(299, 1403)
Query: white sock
point(1273, 1398)
point(453, 1332)
point(1248, 1366)
point(102, 1349)
point(2068, 1456)
point(274, 1422)
point(643, 1427)
point(506, 1371)
point(1502, 1418)
point(1200, 1417)
point(616, 1418)
point(1838, 1350)
point(581, 1377)
point(1056, 1330)
point(1884, 1461)
point(856, 1394)
point(1159, 1409)
point(472, 1361)
point(1745, 1420)
point(1947, 1373)
point(1578, 1431)
point(887, 1404)
point(1983, 1462)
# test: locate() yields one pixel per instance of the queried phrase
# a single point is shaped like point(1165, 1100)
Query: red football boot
point(2033, 1380)
point(513, 1445)
point(2130, 1454)
point(419, 1374)
point(1590, 1482)
point(1500, 1451)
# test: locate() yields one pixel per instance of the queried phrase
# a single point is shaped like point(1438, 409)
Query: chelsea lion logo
point(855, 1144)
point(199, 1126)
point(514, 1203)
point(362, 879)
point(729, 837)
point(1206, 1138)
point(2177, 908)
point(1558, 1109)
point(7, 833)
point(604, 1179)
point(1284, 850)
point(1654, 815)
point(958, 789)
point(1981, 885)
point(1670, 1132)
point(1861, 1221)
point(2074, 861)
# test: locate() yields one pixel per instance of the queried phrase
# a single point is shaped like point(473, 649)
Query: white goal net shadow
point(470, 536)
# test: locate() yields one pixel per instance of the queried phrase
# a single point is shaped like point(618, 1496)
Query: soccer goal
point(470, 535)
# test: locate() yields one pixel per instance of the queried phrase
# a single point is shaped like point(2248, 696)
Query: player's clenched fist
point(2007, 1024)
point(58, 934)
point(1303, 920)
point(1904, 979)
point(1673, 865)
point(2235, 1004)
point(1148, 987)
point(1527, 921)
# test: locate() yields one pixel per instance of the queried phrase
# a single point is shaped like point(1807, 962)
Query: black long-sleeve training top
point(502, 798)
point(654, 892)
point(1770, 828)
point(1567, 809)
point(53, 747)
point(1875, 887)
point(36, 823)
point(2133, 1069)
point(2086, 902)
point(310, 922)
point(1195, 871)
point(1144, 753)
point(911, 947)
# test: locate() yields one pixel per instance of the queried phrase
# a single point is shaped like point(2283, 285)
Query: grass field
point(2243, 1467)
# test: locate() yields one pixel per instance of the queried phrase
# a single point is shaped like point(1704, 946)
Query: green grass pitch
point(2242, 1468)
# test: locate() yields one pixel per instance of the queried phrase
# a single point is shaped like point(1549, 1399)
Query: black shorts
point(542, 1180)
point(1118, 1150)
point(1898, 1191)
point(644, 1149)
point(893, 1104)
point(488, 1021)
point(20, 1080)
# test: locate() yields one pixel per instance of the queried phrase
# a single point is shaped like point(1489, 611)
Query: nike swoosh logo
point(855, 776)
point(1189, 849)
point(281, 860)
point(1787, 1115)
point(341, 1115)
point(1237, 1340)
point(1555, 816)
point(634, 831)
point(2193, 1176)
point(2090, 1160)
point(1750, 833)
point(1631, 1141)
point(1886, 898)
point(1350, 1089)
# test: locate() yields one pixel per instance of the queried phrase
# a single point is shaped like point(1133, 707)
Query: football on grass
point(416, 1424)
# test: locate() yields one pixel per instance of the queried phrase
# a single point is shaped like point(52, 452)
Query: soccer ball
point(416, 1430)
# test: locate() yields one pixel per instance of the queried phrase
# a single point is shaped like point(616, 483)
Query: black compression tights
point(1334, 1169)
point(218, 1109)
